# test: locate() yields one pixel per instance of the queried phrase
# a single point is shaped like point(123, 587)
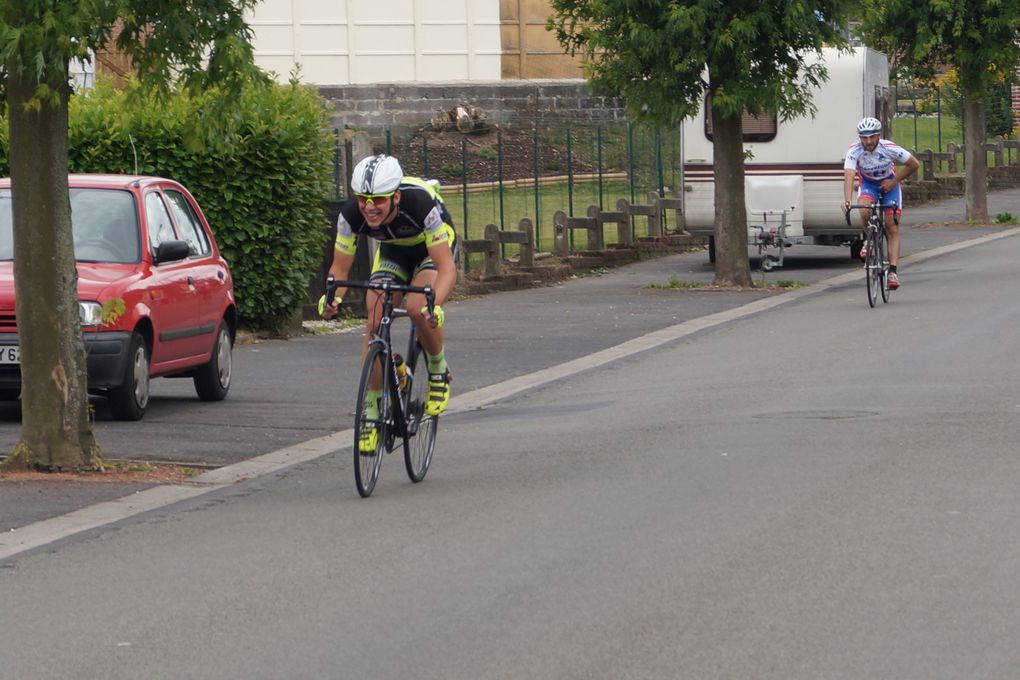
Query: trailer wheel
point(855, 249)
point(711, 249)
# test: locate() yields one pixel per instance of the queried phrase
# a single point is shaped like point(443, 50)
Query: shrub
point(487, 153)
point(452, 169)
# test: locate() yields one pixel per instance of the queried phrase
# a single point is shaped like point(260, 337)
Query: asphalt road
point(287, 392)
point(821, 491)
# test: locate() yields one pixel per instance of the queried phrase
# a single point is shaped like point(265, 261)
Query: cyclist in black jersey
point(417, 245)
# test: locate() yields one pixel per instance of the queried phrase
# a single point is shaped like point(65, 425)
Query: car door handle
point(191, 280)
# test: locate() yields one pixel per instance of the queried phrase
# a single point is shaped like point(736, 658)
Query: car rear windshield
point(104, 223)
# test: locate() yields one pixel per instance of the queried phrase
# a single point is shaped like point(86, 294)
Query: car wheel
point(212, 380)
point(129, 399)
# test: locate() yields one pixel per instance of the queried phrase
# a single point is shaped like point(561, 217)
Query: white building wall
point(343, 42)
point(83, 72)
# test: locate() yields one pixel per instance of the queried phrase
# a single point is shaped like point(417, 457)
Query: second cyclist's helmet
point(869, 126)
point(377, 175)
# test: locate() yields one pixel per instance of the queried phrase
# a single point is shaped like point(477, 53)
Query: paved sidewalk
point(583, 301)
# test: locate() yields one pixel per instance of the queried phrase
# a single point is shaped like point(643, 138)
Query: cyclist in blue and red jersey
point(417, 246)
point(872, 162)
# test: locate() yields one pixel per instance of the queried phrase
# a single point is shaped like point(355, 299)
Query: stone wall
point(405, 107)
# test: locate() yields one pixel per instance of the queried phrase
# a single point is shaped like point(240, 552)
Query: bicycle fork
point(872, 261)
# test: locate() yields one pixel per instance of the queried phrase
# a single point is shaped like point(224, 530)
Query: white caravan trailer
point(794, 172)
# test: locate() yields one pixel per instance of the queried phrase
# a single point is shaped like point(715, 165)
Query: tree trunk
point(56, 433)
point(732, 267)
point(976, 178)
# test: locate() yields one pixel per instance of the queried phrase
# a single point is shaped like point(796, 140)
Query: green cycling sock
point(437, 363)
point(372, 404)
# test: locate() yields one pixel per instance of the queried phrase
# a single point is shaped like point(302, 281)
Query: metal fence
point(931, 117)
point(502, 174)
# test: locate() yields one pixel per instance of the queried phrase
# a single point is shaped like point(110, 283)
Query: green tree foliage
point(998, 106)
point(663, 56)
point(977, 37)
point(194, 42)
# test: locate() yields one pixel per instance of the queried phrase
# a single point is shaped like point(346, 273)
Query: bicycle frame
point(396, 424)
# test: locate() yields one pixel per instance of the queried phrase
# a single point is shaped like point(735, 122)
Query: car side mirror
point(170, 251)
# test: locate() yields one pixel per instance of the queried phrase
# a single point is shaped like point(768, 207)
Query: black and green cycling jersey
point(421, 219)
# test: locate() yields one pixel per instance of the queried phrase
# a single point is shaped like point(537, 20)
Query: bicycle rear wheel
point(368, 464)
point(872, 271)
point(421, 428)
point(883, 259)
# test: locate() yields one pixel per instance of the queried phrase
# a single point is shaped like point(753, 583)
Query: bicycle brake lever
point(430, 299)
point(330, 289)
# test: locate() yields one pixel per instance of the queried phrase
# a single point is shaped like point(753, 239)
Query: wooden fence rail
point(931, 160)
point(494, 238)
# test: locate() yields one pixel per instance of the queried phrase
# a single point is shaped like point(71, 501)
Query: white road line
point(48, 531)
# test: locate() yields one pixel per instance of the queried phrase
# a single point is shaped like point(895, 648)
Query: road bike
point(404, 381)
point(876, 244)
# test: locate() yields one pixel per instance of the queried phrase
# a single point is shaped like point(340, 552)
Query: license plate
point(10, 354)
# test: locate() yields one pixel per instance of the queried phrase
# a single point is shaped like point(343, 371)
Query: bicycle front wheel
point(368, 463)
point(421, 428)
point(873, 271)
point(883, 259)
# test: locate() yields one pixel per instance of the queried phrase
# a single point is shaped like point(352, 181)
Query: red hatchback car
point(143, 242)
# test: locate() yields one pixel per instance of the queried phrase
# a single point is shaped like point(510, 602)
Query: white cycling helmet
point(869, 126)
point(377, 175)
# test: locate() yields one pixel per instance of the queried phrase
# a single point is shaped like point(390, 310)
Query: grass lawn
point(922, 133)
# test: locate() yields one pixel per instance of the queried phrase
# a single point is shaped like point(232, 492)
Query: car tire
point(129, 399)
point(212, 380)
point(10, 394)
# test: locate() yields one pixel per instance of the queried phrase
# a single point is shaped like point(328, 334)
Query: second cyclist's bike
point(404, 382)
point(876, 244)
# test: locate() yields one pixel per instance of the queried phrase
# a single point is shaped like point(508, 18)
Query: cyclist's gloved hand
point(332, 308)
point(437, 318)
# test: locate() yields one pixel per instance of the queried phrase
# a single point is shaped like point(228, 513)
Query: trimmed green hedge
point(260, 166)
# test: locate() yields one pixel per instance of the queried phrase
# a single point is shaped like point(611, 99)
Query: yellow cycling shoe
point(369, 440)
point(439, 393)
